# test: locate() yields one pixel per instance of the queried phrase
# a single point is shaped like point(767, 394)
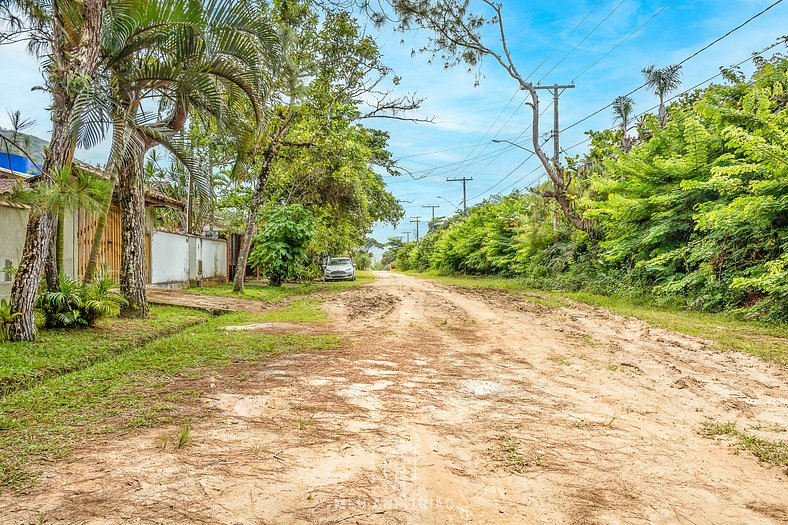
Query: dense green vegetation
point(693, 215)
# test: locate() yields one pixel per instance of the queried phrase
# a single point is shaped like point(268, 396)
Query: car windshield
point(338, 262)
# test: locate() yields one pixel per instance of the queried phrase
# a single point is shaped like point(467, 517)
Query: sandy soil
point(449, 405)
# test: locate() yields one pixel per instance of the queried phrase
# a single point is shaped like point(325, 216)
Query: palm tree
point(182, 57)
point(663, 81)
point(66, 34)
point(622, 115)
point(67, 193)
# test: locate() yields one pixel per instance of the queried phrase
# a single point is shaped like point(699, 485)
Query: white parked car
point(340, 269)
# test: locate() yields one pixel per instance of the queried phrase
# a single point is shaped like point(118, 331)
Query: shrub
point(7, 316)
point(76, 304)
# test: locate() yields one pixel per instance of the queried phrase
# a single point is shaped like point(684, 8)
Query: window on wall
point(5, 275)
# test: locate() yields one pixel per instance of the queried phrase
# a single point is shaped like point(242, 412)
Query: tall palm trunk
point(251, 219)
point(98, 235)
point(81, 63)
point(40, 233)
point(662, 114)
point(60, 241)
point(131, 196)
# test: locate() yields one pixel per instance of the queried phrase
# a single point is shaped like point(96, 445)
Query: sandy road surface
point(426, 413)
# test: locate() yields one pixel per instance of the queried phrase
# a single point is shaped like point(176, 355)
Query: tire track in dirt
point(447, 405)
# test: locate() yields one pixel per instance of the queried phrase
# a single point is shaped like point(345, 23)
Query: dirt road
point(450, 405)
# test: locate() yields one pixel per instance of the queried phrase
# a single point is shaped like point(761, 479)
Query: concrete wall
point(169, 258)
point(179, 260)
point(214, 259)
point(13, 225)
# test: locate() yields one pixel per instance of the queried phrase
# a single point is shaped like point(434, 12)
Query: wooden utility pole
point(407, 239)
point(464, 181)
point(556, 143)
point(417, 220)
point(432, 206)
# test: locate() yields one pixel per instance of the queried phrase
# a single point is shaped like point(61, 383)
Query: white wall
point(177, 260)
point(214, 259)
point(13, 227)
point(169, 258)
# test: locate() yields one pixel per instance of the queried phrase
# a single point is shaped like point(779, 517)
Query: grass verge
point(58, 352)
point(124, 391)
point(774, 452)
point(273, 294)
point(767, 342)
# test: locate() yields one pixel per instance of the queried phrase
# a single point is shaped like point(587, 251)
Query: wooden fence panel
point(110, 252)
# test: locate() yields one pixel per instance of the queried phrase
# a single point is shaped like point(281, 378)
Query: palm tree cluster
point(662, 81)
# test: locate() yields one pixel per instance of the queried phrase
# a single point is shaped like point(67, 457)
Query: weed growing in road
point(303, 423)
point(506, 453)
point(774, 452)
point(561, 360)
point(300, 310)
point(184, 435)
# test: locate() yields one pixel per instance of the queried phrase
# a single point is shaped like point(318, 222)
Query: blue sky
point(466, 118)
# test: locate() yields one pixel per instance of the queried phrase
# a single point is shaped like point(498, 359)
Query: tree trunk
point(50, 266)
point(98, 236)
point(40, 231)
point(251, 219)
point(662, 113)
point(554, 172)
point(70, 63)
point(131, 196)
point(60, 242)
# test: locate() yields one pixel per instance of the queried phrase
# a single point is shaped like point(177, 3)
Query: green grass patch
point(768, 342)
point(506, 453)
point(272, 294)
point(124, 391)
point(774, 452)
point(299, 310)
point(60, 351)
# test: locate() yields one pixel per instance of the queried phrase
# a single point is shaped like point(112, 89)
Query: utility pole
point(464, 181)
point(432, 206)
point(407, 239)
point(417, 220)
point(556, 144)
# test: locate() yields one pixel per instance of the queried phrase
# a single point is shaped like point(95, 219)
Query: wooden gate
point(109, 255)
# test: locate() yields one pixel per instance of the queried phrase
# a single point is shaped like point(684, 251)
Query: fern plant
point(100, 298)
point(75, 304)
point(7, 316)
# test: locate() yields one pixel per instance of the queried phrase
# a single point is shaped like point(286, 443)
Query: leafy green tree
point(281, 247)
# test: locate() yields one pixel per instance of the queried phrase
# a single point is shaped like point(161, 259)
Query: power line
point(584, 39)
point(503, 126)
point(704, 48)
point(630, 35)
point(508, 174)
point(494, 123)
point(564, 40)
point(696, 86)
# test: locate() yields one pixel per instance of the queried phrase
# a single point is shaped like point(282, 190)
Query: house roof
point(6, 185)
point(9, 178)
